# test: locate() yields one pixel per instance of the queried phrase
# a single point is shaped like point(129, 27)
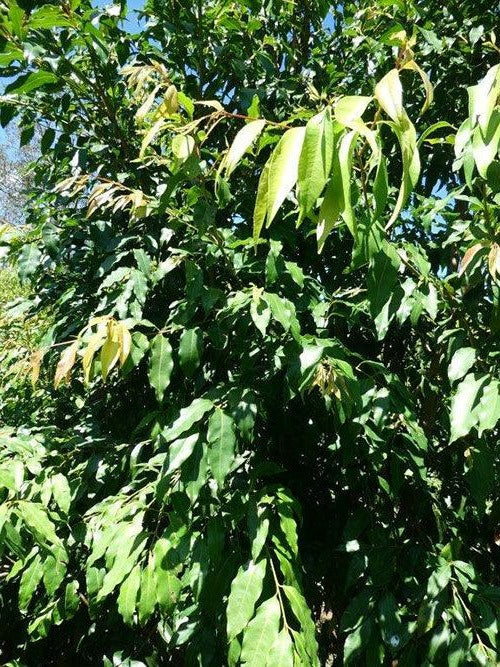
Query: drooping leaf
point(222, 441)
point(283, 169)
point(241, 143)
point(464, 403)
point(190, 349)
point(389, 94)
point(261, 634)
point(246, 589)
point(147, 593)
point(315, 161)
point(161, 365)
point(128, 595)
point(281, 653)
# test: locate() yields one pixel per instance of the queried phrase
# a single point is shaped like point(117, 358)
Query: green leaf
point(29, 82)
point(315, 161)
point(128, 595)
point(187, 418)
point(407, 138)
point(242, 142)
point(30, 579)
point(48, 17)
point(121, 568)
point(463, 415)
point(332, 204)
point(346, 148)
point(53, 574)
point(381, 281)
point(489, 407)
point(38, 522)
point(350, 109)
point(190, 349)
point(389, 94)
point(461, 362)
point(222, 441)
point(147, 595)
point(168, 585)
point(61, 492)
point(160, 365)
point(283, 169)
point(303, 615)
point(246, 589)
point(260, 210)
point(261, 633)
point(281, 653)
point(380, 187)
point(179, 451)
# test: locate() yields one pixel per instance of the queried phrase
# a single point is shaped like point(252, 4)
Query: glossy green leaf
point(222, 443)
point(246, 589)
point(281, 652)
point(241, 144)
point(463, 411)
point(128, 595)
point(161, 365)
point(461, 362)
point(315, 161)
point(147, 593)
point(190, 349)
point(283, 169)
point(261, 634)
point(187, 418)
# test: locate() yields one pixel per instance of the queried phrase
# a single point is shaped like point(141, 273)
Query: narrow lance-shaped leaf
point(283, 169)
point(315, 161)
point(389, 94)
point(190, 350)
point(246, 589)
point(147, 594)
point(346, 149)
point(261, 633)
point(332, 205)
point(428, 87)
point(405, 132)
point(242, 142)
point(160, 365)
point(222, 441)
point(128, 595)
point(65, 365)
point(260, 210)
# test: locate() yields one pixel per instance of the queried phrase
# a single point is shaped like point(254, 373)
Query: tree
point(267, 238)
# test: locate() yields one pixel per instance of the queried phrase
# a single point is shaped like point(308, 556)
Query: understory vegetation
point(250, 399)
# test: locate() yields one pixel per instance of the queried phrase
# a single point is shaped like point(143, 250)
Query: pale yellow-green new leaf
point(242, 142)
point(315, 161)
point(283, 169)
point(389, 94)
point(350, 108)
point(346, 149)
point(407, 136)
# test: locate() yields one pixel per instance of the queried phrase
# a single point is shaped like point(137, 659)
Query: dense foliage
point(259, 425)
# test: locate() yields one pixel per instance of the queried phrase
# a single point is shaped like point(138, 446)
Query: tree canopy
point(258, 422)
